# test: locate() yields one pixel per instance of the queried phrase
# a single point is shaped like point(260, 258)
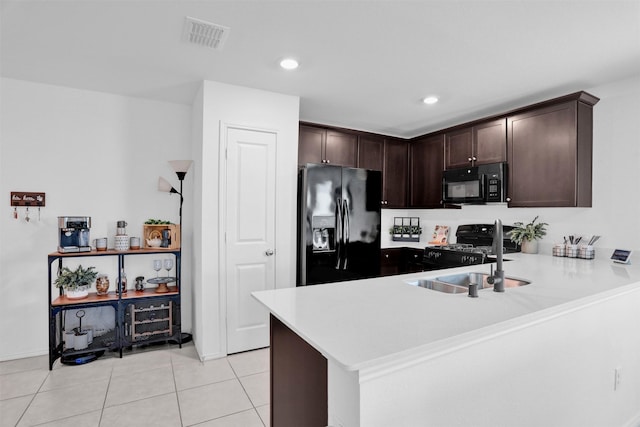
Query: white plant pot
point(529, 246)
point(80, 293)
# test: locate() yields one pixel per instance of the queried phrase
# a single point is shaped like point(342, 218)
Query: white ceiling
point(364, 64)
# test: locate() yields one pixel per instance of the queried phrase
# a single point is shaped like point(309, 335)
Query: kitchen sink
point(439, 286)
point(459, 283)
point(465, 279)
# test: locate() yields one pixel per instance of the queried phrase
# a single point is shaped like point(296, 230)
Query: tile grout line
point(255, 409)
point(175, 388)
point(104, 402)
point(33, 397)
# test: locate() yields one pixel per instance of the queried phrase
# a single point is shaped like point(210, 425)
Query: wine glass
point(157, 265)
point(168, 265)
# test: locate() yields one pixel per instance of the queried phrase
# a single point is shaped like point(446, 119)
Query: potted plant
point(527, 235)
point(76, 282)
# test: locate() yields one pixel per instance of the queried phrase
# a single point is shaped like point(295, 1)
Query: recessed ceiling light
point(430, 100)
point(289, 64)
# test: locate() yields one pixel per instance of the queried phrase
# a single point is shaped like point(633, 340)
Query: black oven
point(475, 184)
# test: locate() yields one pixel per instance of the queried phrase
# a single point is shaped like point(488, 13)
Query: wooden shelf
point(147, 335)
point(114, 252)
point(92, 298)
point(150, 321)
point(151, 292)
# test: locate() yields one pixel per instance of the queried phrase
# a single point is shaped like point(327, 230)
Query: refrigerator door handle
point(338, 234)
point(345, 215)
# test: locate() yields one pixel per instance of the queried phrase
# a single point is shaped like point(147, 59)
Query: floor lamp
point(180, 167)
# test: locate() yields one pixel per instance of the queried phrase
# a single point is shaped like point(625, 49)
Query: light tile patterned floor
point(163, 386)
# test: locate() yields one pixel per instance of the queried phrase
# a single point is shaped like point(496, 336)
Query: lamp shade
point(180, 165)
point(165, 186)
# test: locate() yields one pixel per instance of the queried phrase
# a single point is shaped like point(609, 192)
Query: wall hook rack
point(26, 200)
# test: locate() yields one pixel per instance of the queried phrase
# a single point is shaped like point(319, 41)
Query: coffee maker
point(73, 232)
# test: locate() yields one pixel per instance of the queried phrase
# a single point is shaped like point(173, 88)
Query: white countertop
point(375, 322)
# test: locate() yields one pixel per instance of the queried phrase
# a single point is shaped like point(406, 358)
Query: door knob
point(268, 252)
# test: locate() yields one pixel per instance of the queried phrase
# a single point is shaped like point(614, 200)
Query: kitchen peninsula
point(547, 353)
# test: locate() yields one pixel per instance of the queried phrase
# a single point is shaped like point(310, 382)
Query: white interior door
point(250, 234)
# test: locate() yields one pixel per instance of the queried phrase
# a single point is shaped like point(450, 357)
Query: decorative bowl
point(154, 243)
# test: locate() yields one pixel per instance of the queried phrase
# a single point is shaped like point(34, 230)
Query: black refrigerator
point(338, 224)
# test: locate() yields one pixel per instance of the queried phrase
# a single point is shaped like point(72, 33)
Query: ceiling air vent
point(205, 33)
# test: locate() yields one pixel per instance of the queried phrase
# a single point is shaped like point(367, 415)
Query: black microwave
point(476, 184)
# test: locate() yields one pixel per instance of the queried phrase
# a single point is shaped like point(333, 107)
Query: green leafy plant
point(152, 221)
point(73, 279)
point(530, 231)
point(405, 229)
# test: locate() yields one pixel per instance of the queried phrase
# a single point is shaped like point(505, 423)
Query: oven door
point(436, 259)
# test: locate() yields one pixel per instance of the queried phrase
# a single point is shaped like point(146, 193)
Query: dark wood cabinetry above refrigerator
point(547, 145)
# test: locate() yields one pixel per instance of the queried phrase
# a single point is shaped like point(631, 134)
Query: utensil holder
point(559, 250)
point(572, 251)
point(586, 252)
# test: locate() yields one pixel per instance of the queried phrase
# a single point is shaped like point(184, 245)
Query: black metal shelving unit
point(124, 335)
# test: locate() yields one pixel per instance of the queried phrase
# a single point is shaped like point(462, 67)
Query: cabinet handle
point(386, 255)
point(327, 161)
point(268, 252)
point(470, 159)
point(475, 158)
point(508, 199)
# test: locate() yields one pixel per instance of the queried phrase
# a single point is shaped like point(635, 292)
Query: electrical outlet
point(617, 373)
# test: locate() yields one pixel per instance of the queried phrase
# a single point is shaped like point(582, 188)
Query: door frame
point(223, 223)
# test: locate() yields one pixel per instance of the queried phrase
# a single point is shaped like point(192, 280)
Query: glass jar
point(123, 281)
point(102, 284)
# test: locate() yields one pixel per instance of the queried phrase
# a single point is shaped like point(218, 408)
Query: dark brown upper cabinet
point(550, 153)
point(476, 145)
point(319, 145)
point(390, 156)
point(371, 152)
point(426, 163)
point(395, 176)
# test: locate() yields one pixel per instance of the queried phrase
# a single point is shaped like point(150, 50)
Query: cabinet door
point(458, 148)
point(390, 261)
point(310, 145)
point(413, 260)
point(542, 157)
point(425, 170)
point(370, 152)
point(341, 149)
point(394, 175)
point(490, 142)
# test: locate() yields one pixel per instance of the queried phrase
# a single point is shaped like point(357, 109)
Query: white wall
point(93, 154)
point(615, 211)
point(223, 103)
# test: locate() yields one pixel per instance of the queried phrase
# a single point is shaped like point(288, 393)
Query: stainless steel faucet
point(497, 277)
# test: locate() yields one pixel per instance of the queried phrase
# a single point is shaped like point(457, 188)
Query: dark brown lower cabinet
point(298, 380)
point(400, 261)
